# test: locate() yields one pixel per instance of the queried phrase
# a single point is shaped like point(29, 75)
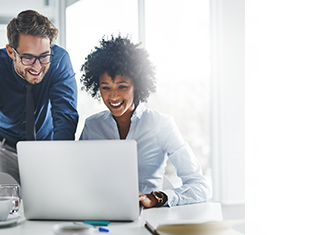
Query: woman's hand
point(147, 200)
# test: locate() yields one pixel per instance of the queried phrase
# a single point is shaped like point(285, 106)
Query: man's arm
point(63, 98)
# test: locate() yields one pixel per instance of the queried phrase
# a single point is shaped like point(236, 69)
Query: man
point(31, 61)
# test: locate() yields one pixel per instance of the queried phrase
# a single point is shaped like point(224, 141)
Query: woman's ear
point(10, 51)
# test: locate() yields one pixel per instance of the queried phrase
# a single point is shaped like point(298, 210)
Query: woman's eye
point(106, 88)
point(122, 87)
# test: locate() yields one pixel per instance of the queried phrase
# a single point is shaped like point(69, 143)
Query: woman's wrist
point(160, 197)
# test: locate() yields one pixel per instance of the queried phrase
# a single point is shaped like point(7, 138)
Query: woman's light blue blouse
point(157, 138)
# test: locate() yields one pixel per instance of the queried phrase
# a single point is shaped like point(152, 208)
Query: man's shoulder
point(3, 50)
point(60, 61)
point(58, 51)
point(5, 63)
point(4, 55)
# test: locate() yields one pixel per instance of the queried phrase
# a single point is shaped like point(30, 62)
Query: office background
point(198, 49)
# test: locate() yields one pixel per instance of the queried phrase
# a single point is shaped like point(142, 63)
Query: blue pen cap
point(103, 230)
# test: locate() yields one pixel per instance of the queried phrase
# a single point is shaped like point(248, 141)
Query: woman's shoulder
point(156, 118)
point(154, 114)
point(98, 116)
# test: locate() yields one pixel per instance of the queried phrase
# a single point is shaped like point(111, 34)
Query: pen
point(100, 229)
point(98, 223)
point(103, 230)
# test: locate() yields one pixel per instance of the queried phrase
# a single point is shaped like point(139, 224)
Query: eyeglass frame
point(36, 57)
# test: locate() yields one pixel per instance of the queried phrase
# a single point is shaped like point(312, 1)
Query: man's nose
point(37, 64)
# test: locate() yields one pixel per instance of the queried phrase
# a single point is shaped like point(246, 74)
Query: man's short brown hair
point(32, 23)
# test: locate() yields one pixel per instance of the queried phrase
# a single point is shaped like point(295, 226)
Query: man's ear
point(10, 51)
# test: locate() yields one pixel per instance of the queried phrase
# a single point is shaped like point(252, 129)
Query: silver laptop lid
point(79, 180)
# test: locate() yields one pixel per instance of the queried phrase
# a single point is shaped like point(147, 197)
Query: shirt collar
point(136, 114)
point(138, 111)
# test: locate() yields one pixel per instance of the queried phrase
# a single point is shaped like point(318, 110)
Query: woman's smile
point(118, 95)
point(116, 105)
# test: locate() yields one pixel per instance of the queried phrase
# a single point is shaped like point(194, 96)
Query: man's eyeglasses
point(30, 60)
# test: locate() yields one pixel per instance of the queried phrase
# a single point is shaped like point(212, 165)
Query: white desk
point(28, 227)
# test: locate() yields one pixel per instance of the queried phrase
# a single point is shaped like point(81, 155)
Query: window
point(178, 41)
point(177, 34)
point(86, 23)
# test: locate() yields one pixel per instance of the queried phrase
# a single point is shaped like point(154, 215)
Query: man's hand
point(147, 200)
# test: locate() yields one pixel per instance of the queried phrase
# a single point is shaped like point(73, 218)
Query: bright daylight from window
point(177, 39)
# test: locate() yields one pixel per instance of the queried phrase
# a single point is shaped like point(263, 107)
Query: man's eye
point(122, 87)
point(106, 88)
point(28, 58)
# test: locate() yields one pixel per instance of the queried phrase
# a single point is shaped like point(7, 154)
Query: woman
point(121, 73)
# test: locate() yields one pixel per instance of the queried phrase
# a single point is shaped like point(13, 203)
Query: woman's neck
point(123, 123)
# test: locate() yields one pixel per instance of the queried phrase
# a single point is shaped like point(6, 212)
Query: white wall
point(11, 8)
point(3, 33)
point(230, 75)
point(282, 116)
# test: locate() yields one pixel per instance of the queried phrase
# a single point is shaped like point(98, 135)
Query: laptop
point(79, 180)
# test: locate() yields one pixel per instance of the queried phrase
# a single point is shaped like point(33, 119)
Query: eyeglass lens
point(31, 60)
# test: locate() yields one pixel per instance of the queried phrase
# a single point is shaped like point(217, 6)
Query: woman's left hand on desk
point(147, 200)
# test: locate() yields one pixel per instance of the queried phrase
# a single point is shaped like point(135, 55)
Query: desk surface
point(28, 227)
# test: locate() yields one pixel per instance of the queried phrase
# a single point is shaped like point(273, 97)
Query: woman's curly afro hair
point(119, 56)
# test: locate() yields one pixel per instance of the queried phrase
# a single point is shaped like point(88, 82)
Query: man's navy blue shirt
point(55, 100)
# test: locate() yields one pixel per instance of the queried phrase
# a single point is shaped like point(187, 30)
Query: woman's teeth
point(116, 104)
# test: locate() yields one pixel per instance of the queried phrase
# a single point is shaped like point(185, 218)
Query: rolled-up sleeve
point(195, 187)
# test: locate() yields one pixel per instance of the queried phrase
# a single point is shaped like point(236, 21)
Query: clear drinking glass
point(11, 191)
